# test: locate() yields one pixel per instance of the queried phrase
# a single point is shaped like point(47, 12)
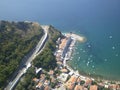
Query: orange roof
point(47, 88)
point(93, 87)
point(118, 86)
point(39, 84)
point(114, 86)
point(35, 79)
point(64, 70)
point(70, 86)
point(60, 63)
point(101, 84)
point(42, 76)
point(51, 72)
point(73, 79)
point(78, 80)
point(63, 43)
point(46, 81)
point(71, 82)
point(78, 87)
point(88, 82)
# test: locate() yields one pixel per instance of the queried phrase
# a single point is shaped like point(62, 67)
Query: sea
point(97, 20)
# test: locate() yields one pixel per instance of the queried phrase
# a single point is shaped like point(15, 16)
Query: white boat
point(93, 66)
point(88, 63)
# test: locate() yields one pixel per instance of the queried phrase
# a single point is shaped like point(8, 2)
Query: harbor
point(64, 77)
point(66, 46)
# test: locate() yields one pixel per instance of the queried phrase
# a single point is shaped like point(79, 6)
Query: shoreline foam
point(79, 38)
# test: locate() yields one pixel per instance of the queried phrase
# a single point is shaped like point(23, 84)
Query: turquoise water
point(100, 55)
point(97, 20)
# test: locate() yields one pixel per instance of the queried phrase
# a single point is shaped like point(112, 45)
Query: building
point(88, 82)
point(63, 77)
point(40, 86)
point(79, 87)
point(78, 80)
point(46, 82)
point(61, 88)
point(114, 87)
point(42, 77)
point(70, 84)
point(35, 80)
point(38, 70)
point(47, 88)
point(51, 72)
point(64, 70)
point(63, 43)
point(58, 41)
point(93, 87)
point(69, 40)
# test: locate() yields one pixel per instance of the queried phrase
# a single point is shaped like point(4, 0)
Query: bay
point(97, 20)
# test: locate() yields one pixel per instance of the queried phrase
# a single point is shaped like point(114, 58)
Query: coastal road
point(27, 64)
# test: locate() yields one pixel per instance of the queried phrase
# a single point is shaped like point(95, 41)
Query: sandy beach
point(76, 37)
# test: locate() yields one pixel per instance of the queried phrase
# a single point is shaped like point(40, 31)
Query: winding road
point(27, 64)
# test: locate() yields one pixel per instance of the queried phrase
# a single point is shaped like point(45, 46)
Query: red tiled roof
point(93, 87)
point(47, 88)
point(78, 87)
point(71, 82)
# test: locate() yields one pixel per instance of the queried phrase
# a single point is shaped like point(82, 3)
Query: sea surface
point(97, 20)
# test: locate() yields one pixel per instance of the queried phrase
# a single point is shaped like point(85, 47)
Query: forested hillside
point(16, 40)
point(45, 60)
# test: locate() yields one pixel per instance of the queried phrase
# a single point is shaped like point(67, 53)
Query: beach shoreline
point(75, 38)
point(66, 48)
point(83, 39)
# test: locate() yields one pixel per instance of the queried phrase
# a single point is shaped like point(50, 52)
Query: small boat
point(113, 47)
point(88, 63)
point(110, 37)
point(105, 59)
point(93, 66)
point(89, 46)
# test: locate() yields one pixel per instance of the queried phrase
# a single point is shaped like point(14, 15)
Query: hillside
point(46, 60)
point(17, 39)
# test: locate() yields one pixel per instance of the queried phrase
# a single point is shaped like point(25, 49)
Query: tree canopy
point(17, 39)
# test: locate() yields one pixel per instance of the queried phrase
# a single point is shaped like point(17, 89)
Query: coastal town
point(64, 77)
point(60, 45)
